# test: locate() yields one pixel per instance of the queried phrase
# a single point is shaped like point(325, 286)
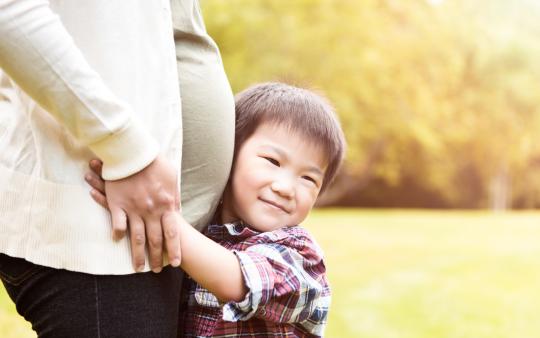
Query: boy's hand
point(149, 212)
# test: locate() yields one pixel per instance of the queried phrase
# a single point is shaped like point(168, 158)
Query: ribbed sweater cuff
point(126, 152)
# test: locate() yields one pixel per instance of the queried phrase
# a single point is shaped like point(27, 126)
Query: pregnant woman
point(116, 80)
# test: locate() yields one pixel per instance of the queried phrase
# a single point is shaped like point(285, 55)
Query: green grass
point(11, 324)
point(418, 274)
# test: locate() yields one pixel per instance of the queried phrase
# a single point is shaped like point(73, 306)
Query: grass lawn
point(418, 274)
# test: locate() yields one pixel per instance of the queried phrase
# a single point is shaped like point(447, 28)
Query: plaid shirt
point(288, 293)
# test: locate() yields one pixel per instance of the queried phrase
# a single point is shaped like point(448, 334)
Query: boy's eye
point(271, 160)
point(309, 178)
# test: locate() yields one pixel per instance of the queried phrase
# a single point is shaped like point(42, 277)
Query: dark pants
point(61, 303)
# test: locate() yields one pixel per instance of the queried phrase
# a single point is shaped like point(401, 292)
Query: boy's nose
point(283, 187)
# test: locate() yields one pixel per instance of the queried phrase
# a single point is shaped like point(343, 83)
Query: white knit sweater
point(80, 79)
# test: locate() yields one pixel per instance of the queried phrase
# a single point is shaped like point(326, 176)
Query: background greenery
point(418, 274)
point(438, 98)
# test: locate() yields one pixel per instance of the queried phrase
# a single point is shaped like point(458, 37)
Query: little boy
point(257, 273)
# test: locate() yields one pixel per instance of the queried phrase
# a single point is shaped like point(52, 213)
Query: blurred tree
point(436, 96)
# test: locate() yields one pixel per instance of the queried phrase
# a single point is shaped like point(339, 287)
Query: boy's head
point(299, 110)
point(288, 148)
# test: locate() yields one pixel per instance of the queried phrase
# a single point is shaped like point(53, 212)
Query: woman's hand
point(97, 183)
point(156, 234)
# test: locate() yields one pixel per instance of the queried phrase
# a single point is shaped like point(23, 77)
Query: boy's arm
point(280, 280)
point(211, 265)
point(208, 263)
point(286, 278)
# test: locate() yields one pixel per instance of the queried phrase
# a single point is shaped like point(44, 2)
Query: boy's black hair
point(301, 110)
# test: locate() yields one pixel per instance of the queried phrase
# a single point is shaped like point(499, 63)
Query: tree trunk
point(346, 182)
point(500, 189)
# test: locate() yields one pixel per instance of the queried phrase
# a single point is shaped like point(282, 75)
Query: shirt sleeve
point(38, 53)
point(285, 285)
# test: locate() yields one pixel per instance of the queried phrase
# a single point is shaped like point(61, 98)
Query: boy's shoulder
point(297, 235)
point(241, 236)
point(296, 238)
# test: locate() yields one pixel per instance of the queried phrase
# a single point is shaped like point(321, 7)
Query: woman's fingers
point(138, 240)
point(119, 222)
point(154, 237)
point(99, 198)
point(171, 232)
point(97, 166)
point(95, 182)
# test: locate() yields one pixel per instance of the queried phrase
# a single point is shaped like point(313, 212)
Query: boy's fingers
point(99, 198)
point(95, 182)
point(119, 223)
point(171, 226)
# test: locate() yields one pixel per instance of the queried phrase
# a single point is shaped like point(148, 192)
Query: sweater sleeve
point(38, 53)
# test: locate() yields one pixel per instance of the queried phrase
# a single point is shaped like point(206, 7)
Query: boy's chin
point(272, 225)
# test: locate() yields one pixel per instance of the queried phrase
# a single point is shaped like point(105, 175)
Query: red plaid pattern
point(288, 292)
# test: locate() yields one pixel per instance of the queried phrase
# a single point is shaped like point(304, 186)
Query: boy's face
point(275, 181)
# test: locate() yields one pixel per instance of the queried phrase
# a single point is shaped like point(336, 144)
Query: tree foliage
point(442, 94)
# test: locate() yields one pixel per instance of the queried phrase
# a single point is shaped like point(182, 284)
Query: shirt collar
point(237, 230)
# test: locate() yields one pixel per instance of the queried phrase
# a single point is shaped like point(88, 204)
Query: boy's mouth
point(275, 204)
